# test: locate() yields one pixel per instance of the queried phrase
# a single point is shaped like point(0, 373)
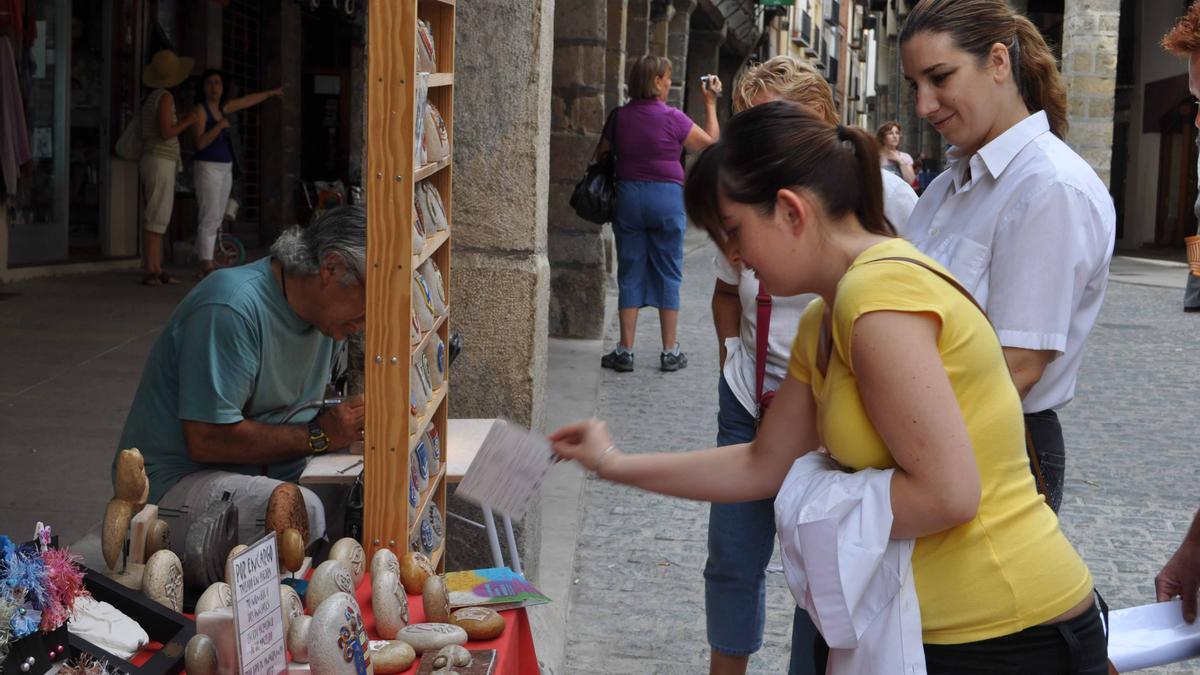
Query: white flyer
point(508, 470)
point(257, 609)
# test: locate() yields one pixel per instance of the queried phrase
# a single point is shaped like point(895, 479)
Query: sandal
point(151, 280)
point(167, 279)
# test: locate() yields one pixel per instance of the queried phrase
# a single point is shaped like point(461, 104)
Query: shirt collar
point(997, 155)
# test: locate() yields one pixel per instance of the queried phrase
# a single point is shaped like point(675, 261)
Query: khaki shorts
point(158, 187)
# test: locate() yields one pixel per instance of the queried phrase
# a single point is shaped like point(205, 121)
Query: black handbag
point(595, 196)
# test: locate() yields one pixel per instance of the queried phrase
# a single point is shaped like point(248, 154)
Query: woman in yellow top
point(892, 367)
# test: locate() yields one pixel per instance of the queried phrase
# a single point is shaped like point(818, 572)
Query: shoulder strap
point(1035, 463)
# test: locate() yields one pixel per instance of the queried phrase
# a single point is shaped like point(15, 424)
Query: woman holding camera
point(649, 137)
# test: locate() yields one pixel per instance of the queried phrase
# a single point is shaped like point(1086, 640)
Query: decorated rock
point(163, 580)
point(217, 595)
point(229, 562)
point(436, 599)
point(157, 536)
point(130, 483)
point(291, 549)
point(430, 637)
point(351, 554)
point(200, 657)
point(292, 605)
point(384, 560)
point(415, 568)
point(389, 603)
point(480, 623)
point(452, 656)
point(286, 508)
point(337, 641)
point(330, 577)
point(391, 656)
point(116, 526)
point(297, 638)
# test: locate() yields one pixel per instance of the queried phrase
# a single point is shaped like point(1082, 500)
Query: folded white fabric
point(107, 627)
point(843, 567)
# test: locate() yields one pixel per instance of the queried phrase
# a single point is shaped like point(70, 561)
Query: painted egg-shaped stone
point(200, 657)
point(389, 602)
point(330, 577)
point(351, 554)
point(384, 561)
point(337, 640)
point(297, 638)
point(163, 580)
point(219, 594)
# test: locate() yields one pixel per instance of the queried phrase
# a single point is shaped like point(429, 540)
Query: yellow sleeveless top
point(1010, 567)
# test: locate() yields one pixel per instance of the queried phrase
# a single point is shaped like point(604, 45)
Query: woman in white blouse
point(1021, 219)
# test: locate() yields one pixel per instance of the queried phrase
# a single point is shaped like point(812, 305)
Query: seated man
point(243, 348)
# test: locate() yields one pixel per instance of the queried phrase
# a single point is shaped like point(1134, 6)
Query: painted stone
point(157, 537)
point(351, 554)
point(337, 641)
point(384, 561)
point(415, 568)
point(292, 605)
point(200, 657)
point(436, 599)
point(285, 508)
point(217, 595)
point(480, 623)
point(297, 638)
point(430, 637)
point(291, 549)
point(229, 562)
point(163, 580)
point(391, 656)
point(331, 577)
point(389, 603)
point(452, 656)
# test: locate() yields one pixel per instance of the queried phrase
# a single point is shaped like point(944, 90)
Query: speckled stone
point(229, 562)
point(430, 637)
point(415, 568)
point(200, 657)
point(391, 656)
point(351, 554)
point(384, 561)
point(452, 656)
point(335, 633)
point(390, 604)
point(163, 580)
point(217, 595)
point(330, 577)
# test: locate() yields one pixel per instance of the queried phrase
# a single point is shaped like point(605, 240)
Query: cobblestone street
point(638, 602)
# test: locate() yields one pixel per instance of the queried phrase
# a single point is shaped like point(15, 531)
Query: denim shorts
point(741, 538)
point(648, 227)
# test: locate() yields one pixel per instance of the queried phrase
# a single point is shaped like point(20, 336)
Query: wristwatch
point(318, 442)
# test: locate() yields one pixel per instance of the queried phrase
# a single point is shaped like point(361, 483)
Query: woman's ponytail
point(977, 25)
point(869, 208)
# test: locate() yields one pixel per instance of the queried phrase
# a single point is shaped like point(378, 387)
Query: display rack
point(391, 177)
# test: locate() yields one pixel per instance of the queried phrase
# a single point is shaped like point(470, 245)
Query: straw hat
point(166, 70)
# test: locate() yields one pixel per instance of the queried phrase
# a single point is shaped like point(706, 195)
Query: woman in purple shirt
point(649, 138)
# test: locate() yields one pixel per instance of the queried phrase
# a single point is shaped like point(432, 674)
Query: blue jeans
point(741, 538)
point(648, 227)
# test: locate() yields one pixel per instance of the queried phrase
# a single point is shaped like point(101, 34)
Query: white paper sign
point(508, 470)
point(257, 609)
point(1151, 635)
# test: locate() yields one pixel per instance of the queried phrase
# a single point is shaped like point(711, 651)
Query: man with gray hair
point(244, 349)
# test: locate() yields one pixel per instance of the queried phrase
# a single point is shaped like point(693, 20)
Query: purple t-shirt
point(650, 137)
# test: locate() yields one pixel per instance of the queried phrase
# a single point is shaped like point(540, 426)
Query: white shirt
point(1030, 234)
point(898, 202)
point(844, 568)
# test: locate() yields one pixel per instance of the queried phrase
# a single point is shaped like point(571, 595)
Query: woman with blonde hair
point(754, 334)
point(1019, 218)
point(649, 137)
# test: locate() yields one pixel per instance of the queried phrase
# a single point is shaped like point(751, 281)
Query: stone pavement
point(637, 604)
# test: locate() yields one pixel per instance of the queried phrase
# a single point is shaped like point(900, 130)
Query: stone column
point(280, 124)
point(677, 50)
point(661, 12)
point(1089, 67)
point(614, 55)
point(577, 283)
point(704, 56)
point(500, 277)
point(637, 29)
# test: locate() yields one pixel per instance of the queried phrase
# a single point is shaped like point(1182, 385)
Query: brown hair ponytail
point(976, 25)
point(781, 145)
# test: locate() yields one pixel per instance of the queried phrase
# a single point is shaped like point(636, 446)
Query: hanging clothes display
point(14, 134)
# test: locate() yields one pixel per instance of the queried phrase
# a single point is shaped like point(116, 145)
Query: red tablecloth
point(515, 654)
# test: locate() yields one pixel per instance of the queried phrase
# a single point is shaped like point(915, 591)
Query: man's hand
point(1181, 577)
point(343, 423)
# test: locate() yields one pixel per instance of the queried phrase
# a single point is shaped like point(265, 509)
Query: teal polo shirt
point(232, 350)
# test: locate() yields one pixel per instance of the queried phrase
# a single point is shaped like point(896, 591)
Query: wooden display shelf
point(424, 342)
point(438, 2)
point(431, 246)
point(435, 483)
point(439, 551)
point(428, 170)
point(425, 418)
point(441, 80)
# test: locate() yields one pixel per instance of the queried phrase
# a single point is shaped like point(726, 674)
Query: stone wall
point(1089, 67)
point(577, 259)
